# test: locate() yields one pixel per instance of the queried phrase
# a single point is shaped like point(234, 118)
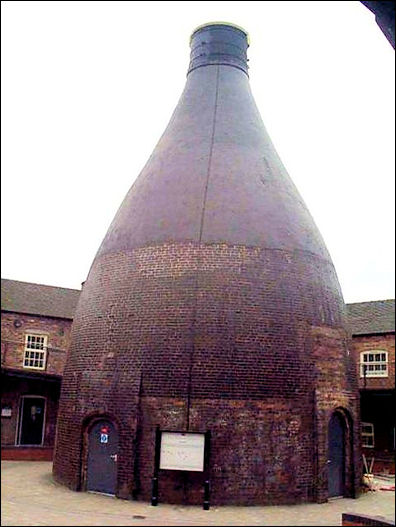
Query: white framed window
point(368, 435)
point(374, 363)
point(35, 351)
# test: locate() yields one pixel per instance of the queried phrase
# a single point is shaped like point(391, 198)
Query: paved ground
point(29, 496)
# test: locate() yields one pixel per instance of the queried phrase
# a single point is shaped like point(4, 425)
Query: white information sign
point(182, 451)
point(6, 411)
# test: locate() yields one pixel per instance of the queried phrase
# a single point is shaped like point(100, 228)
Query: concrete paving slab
point(29, 496)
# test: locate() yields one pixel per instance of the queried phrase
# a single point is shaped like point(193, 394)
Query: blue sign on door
point(104, 438)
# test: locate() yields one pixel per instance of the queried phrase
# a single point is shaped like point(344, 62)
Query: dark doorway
point(31, 420)
point(102, 458)
point(336, 461)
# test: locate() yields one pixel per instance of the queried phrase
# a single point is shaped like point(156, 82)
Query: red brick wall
point(13, 339)
point(336, 389)
point(363, 520)
point(256, 454)
point(384, 342)
point(27, 453)
point(13, 389)
point(246, 342)
point(382, 416)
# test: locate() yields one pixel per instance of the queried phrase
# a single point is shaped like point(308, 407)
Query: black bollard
point(206, 503)
point(154, 494)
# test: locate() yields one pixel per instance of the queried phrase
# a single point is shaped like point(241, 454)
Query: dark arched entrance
point(336, 459)
point(102, 457)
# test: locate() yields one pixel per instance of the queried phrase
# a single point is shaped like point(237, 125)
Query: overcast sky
point(89, 87)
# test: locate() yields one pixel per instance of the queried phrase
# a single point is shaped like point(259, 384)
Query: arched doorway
point(336, 455)
point(102, 457)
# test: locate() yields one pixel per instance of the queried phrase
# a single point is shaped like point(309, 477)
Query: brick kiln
point(212, 309)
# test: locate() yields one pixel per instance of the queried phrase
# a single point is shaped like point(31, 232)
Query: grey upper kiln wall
point(214, 176)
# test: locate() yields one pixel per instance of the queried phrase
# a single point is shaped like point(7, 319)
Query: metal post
point(206, 503)
point(154, 492)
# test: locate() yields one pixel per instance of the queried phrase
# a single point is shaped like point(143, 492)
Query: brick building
point(35, 335)
point(372, 325)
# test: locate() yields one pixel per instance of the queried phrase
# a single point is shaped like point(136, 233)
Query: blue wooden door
point(336, 461)
point(102, 458)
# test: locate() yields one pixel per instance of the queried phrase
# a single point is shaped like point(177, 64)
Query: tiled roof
point(38, 299)
point(371, 317)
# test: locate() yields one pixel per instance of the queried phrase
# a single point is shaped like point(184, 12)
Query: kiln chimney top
point(219, 43)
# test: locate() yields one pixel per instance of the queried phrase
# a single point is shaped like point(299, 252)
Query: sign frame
point(183, 451)
point(157, 458)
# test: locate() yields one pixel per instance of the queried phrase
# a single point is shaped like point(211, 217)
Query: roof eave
point(36, 314)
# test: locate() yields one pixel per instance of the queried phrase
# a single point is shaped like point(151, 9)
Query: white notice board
point(182, 451)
